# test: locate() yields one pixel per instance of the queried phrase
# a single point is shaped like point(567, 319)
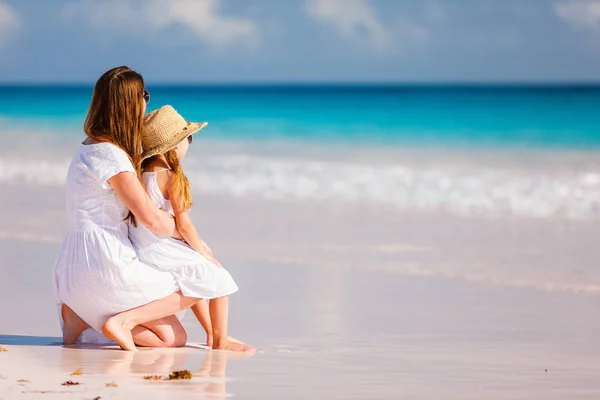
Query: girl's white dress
point(193, 273)
point(97, 272)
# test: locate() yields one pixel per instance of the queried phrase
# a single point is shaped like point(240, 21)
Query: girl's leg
point(163, 332)
point(202, 314)
point(118, 327)
point(73, 326)
point(219, 314)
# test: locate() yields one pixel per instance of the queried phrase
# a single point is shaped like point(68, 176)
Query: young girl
point(165, 142)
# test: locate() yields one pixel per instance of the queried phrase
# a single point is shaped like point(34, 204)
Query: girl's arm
point(131, 192)
point(189, 233)
point(187, 229)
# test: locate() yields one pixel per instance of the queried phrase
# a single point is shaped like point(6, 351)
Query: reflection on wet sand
point(213, 374)
point(209, 367)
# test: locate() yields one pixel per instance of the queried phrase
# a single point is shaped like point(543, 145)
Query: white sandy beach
point(406, 193)
point(341, 303)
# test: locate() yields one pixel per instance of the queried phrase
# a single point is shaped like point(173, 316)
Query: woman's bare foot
point(231, 346)
point(73, 326)
point(114, 328)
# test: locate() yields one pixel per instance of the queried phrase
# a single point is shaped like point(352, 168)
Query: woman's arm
point(131, 192)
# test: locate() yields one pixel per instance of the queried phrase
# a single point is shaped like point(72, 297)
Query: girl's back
point(140, 236)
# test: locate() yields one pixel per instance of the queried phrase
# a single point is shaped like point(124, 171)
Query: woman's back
point(90, 200)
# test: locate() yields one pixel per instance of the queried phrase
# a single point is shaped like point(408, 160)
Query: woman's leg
point(162, 332)
point(202, 314)
point(219, 315)
point(73, 326)
point(118, 327)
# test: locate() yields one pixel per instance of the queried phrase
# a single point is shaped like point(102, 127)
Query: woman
point(97, 273)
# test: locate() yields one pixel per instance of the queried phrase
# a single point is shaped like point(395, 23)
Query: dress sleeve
point(108, 162)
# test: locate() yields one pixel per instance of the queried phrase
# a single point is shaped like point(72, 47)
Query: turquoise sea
point(544, 116)
point(487, 150)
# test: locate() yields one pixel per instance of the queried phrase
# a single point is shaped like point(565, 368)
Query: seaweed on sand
point(183, 374)
point(173, 376)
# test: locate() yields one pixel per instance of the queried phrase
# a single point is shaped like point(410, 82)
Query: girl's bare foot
point(73, 326)
point(209, 340)
point(114, 328)
point(231, 346)
point(234, 340)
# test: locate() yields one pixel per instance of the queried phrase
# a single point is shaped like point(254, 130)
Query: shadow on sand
point(24, 340)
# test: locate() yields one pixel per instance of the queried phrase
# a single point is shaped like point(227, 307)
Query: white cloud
point(356, 21)
point(581, 14)
point(201, 17)
point(9, 20)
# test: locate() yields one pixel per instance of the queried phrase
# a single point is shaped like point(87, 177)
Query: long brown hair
point(116, 113)
point(181, 192)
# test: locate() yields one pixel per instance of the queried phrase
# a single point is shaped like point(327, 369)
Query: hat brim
point(190, 129)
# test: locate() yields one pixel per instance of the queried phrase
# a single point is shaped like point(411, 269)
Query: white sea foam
point(468, 191)
point(33, 171)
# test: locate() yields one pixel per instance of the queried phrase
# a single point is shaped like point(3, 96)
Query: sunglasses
point(146, 96)
point(190, 139)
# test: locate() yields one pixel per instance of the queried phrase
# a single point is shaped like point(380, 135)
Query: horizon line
point(507, 83)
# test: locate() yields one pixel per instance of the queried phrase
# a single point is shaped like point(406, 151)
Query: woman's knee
point(180, 339)
point(176, 336)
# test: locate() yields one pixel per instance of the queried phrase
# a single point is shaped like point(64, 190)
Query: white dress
point(194, 274)
point(97, 272)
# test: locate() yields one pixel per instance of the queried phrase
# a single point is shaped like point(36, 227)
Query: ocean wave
point(462, 190)
point(41, 172)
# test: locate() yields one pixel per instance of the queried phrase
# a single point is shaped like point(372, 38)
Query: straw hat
point(164, 129)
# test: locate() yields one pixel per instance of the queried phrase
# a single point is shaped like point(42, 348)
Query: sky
point(231, 41)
